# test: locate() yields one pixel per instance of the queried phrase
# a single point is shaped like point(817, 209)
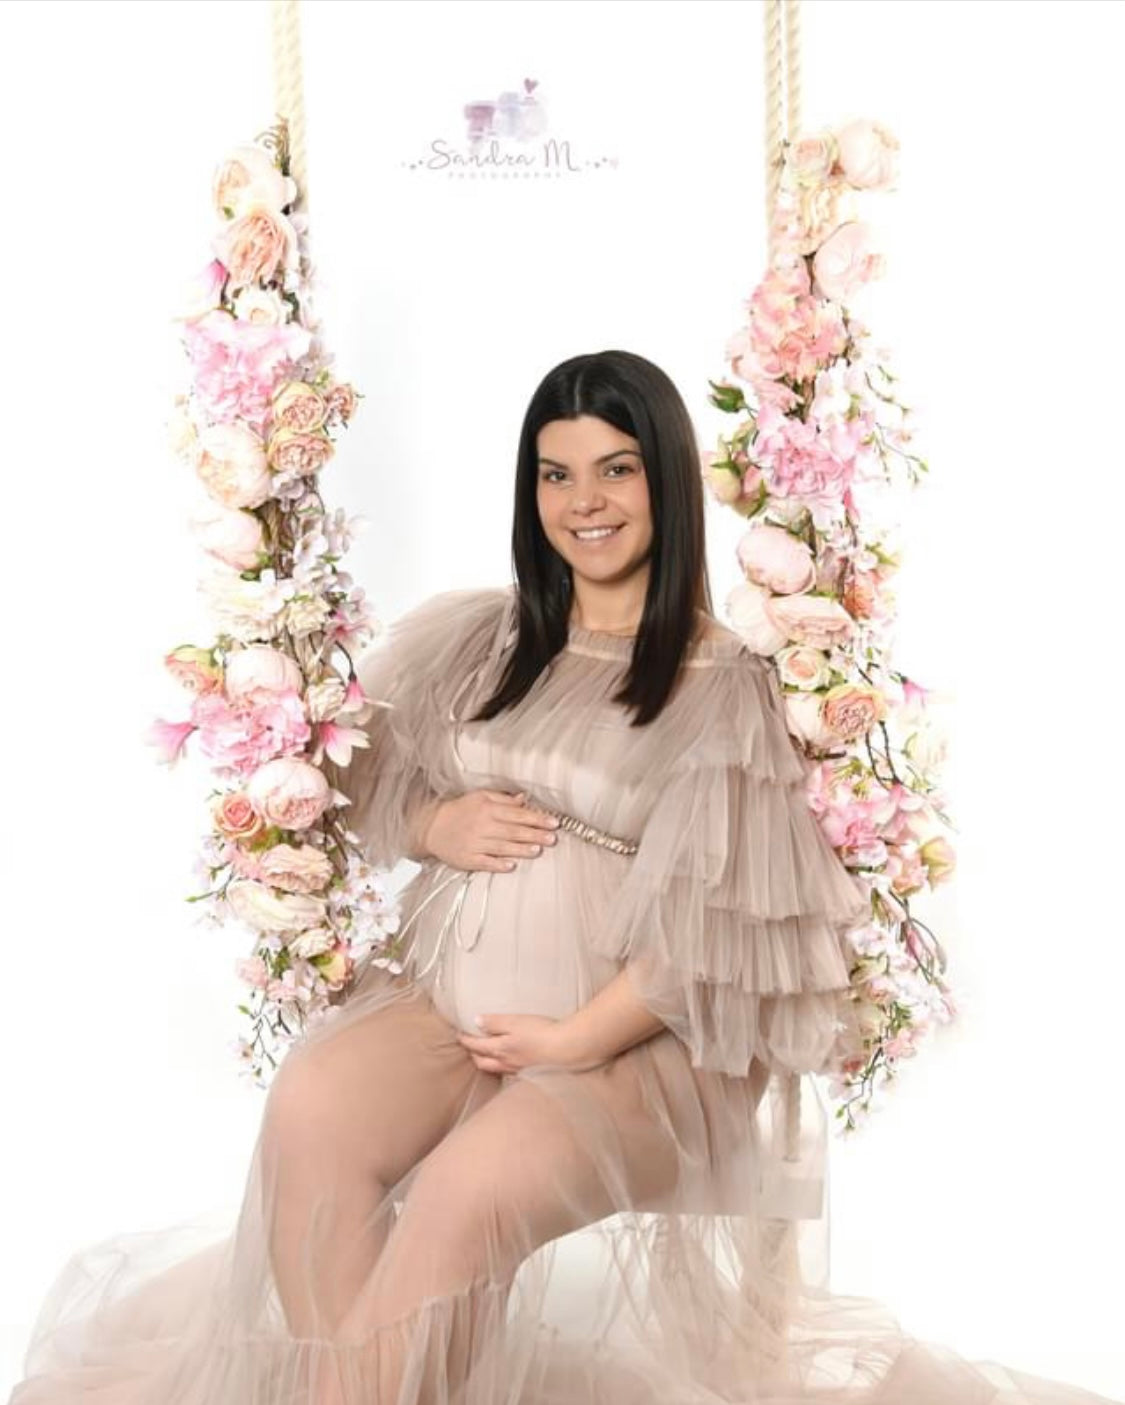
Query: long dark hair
point(637, 398)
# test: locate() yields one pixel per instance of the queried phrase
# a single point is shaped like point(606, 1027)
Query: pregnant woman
point(543, 1162)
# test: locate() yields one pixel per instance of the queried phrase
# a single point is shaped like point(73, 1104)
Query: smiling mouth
point(596, 534)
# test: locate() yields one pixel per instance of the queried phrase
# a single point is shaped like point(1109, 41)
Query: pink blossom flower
point(337, 741)
point(240, 734)
point(169, 739)
point(237, 366)
point(254, 972)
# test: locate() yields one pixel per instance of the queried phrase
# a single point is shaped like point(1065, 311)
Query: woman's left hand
point(508, 1043)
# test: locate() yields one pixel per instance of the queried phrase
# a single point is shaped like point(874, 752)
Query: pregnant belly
point(515, 948)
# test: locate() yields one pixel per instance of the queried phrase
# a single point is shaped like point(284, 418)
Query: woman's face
point(591, 475)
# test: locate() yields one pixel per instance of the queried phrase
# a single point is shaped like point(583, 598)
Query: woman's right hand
point(487, 829)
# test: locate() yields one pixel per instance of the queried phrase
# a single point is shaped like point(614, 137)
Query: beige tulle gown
point(415, 1231)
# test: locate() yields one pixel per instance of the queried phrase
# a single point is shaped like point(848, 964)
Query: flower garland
point(814, 468)
point(277, 691)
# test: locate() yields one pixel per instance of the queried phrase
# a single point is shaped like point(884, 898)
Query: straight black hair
point(637, 398)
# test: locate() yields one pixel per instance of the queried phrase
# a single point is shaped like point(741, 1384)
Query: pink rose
point(258, 669)
point(867, 155)
point(194, 668)
point(845, 262)
point(812, 619)
point(298, 406)
point(289, 793)
point(748, 609)
point(304, 869)
point(850, 710)
point(232, 465)
point(232, 536)
point(341, 401)
point(235, 817)
point(249, 176)
point(299, 455)
point(256, 246)
point(774, 558)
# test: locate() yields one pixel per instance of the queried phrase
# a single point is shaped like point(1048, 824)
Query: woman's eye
point(549, 476)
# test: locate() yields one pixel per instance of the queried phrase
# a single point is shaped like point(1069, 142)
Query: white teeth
point(593, 533)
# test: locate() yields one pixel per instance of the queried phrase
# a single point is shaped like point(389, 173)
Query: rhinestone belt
point(452, 921)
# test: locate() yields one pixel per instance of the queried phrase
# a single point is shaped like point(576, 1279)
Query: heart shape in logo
point(530, 84)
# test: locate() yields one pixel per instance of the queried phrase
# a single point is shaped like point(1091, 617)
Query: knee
point(458, 1217)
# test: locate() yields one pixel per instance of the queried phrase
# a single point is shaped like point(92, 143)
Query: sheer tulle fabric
point(414, 1231)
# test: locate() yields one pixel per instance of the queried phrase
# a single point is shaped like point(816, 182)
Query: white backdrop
point(983, 1204)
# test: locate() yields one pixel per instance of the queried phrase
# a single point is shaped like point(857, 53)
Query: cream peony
point(749, 612)
point(258, 667)
point(806, 720)
point(846, 261)
point(812, 619)
point(774, 558)
point(867, 154)
point(260, 907)
point(289, 792)
point(232, 466)
point(232, 536)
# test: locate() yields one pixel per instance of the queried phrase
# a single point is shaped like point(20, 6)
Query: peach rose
point(341, 402)
point(298, 455)
point(235, 817)
point(304, 869)
point(860, 595)
point(232, 465)
point(194, 668)
point(774, 558)
point(846, 261)
point(812, 619)
point(799, 666)
point(748, 608)
point(259, 907)
point(232, 536)
point(247, 177)
point(256, 246)
point(867, 155)
point(289, 792)
point(299, 406)
point(259, 668)
point(850, 710)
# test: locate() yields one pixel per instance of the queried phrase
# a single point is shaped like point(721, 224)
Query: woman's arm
point(610, 1022)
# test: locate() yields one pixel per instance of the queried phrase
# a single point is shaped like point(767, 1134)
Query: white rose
point(804, 714)
point(748, 609)
point(247, 176)
point(263, 306)
point(266, 911)
point(248, 610)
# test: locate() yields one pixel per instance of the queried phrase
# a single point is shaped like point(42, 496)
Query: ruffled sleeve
point(733, 915)
point(414, 668)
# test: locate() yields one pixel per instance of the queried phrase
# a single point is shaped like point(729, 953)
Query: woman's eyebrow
point(604, 458)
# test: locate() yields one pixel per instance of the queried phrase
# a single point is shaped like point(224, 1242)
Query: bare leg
point(347, 1117)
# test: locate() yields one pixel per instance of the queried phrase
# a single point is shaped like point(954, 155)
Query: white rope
point(288, 87)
